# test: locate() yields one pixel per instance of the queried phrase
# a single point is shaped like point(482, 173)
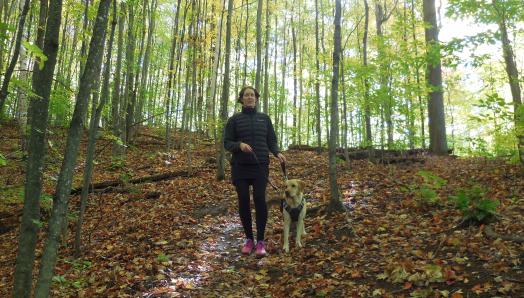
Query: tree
point(334, 202)
point(63, 186)
point(504, 13)
point(93, 131)
point(437, 125)
point(259, 45)
point(9, 72)
point(317, 81)
point(225, 95)
point(38, 109)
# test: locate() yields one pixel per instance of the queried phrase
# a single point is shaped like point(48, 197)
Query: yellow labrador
point(294, 209)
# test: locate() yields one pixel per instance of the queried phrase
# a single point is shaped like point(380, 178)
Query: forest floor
point(181, 237)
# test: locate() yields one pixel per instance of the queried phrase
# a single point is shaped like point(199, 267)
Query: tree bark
point(171, 77)
point(129, 96)
point(367, 109)
point(317, 81)
point(334, 202)
point(117, 100)
point(93, 130)
point(9, 72)
point(437, 124)
point(38, 109)
point(63, 188)
point(513, 78)
point(265, 96)
point(259, 46)
point(225, 95)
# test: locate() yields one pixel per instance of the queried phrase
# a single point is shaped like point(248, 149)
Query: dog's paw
point(286, 248)
point(298, 244)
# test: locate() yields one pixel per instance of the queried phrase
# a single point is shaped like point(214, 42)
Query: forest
point(402, 118)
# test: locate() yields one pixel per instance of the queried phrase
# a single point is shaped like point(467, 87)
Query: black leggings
point(244, 206)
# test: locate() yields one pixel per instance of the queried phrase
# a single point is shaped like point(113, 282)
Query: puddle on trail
point(354, 196)
point(219, 246)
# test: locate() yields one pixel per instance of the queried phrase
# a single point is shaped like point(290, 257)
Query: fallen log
point(112, 183)
point(494, 235)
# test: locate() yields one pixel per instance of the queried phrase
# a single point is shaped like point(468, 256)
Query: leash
point(282, 165)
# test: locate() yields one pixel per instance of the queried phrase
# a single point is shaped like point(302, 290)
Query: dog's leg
point(287, 224)
point(300, 230)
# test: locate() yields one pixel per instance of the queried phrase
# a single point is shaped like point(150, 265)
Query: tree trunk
point(212, 84)
point(334, 202)
point(417, 76)
point(147, 58)
point(93, 130)
point(171, 77)
point(63, 188)
point(9, 72)
point(367, 109)
point(437, 125)
point(265, 96)
point(128, 107)
point(38, 109)
point(225, 95)
point(514, 83)
point(317, 81)
point(295, 81)
point(21, 110)
point(117, 100)
point(259, 47)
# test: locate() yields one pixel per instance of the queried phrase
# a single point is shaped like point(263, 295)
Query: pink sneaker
point(248, 246)
point(260, 249)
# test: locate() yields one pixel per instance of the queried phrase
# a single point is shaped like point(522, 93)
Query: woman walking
point(250, 137)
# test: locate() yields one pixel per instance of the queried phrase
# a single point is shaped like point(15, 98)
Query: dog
point(294, 210)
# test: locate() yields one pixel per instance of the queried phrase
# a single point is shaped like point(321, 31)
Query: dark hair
point(241, 93)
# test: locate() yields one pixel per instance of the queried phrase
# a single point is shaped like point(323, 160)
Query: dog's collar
point(294, 212)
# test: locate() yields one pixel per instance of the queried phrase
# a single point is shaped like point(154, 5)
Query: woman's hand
point(245, 148)
point(281, 158)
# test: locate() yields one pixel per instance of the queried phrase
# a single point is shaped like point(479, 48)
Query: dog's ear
point(301, 185)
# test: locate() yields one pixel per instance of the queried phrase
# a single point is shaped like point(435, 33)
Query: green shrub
point(426, 193)
point(474, 205)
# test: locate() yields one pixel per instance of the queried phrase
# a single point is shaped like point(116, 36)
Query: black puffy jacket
point(254, 129)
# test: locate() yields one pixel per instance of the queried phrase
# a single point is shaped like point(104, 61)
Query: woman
point(249, 136)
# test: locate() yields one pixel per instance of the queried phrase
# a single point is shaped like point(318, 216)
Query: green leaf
point(3, 160)
point(59, 279)
point(37, 52)
point(162, 258)
point(37, 223)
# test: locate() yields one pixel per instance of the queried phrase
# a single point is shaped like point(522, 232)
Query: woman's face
point(249, 100)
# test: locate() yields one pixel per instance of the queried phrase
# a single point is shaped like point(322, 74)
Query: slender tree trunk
point(213, 78)
point(9, 72)
point(171, 77)
point(259, 45)
point(380, 19)
point(38, 109)
point(225, 95)
point(295, 82)
point(265, 96)
point(334, 202)
point(317, 81)
point(513, 78)
point(93, 130)
point(129, 96)
point(63, 188)
point(21, 110)
point(367, 109)
point(117, 100)
point(417, 76)
point(246, 31)
point(437, 124)
point(147, 57)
